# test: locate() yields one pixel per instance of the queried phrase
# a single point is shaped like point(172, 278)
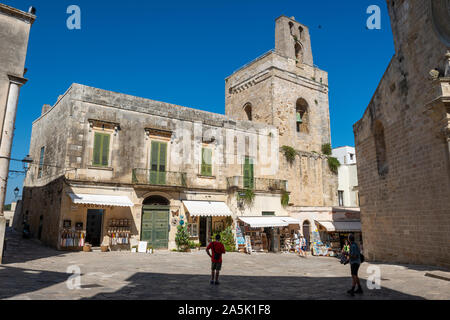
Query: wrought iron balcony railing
point(259, 184)
point(159, 178)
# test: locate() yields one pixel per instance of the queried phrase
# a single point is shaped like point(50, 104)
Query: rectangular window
point(268, 213)
point(101, 149)
point(341, 198)
point(158, 161)
point(206, 169)
point(249, 180)
point(193, 229)
point(41, 162)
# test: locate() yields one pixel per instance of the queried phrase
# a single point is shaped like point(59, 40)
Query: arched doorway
point(307, 232)
point(155, 222)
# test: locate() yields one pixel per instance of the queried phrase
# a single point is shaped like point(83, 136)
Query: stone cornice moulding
point(17, 80)
point(16, 13)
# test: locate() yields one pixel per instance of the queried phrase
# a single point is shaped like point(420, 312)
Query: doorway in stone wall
point(94, 223)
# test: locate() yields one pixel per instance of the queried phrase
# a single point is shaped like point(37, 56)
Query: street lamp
point(16, 192)
point(27, 161)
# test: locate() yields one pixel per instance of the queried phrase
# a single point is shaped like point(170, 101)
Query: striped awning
point(207, 208)
point(268, 221)
point(341, 226)
point(101, 200)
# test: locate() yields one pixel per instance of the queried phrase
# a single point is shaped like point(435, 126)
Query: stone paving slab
point(31, 271)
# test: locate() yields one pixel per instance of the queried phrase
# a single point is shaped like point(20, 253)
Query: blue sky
point(181, 52)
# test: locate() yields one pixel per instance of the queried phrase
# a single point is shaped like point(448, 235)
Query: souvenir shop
point(87, 223)
point(329, 237)
point(206, 218)
point(266, 234)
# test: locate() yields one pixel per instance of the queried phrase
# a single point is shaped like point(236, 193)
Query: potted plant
point(182, 239)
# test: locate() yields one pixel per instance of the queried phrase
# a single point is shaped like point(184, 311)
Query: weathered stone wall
point(43, 201)
point(14, 32)
point(70, 145)
point(405, 189)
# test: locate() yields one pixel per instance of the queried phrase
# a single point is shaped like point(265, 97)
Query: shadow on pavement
point(415, 267)
point(16, 281)
point(158, 286)
point(19, 250)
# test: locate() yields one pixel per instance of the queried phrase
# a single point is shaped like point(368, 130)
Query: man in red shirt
point(217, 249)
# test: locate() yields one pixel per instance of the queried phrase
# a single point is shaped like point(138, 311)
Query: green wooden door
point(158, 163)
point(248, 173)
point(155, 228)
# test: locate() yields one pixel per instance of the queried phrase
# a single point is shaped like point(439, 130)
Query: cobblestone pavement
point(31, 271)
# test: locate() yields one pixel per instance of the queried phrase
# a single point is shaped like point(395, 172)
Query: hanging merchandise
point(72, 239)
point(119, 232)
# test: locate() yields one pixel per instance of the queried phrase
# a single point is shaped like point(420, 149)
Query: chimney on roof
point(32, 10)
point(45, 108)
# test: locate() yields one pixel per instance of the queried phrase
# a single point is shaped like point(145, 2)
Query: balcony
point(149, 177)
point(257, 184)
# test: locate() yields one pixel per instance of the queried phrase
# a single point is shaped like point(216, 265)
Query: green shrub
point(227, 239)
point(289, 153)
point(182, 238)
point(333, 164)
point(247, 196)
point(326, 149)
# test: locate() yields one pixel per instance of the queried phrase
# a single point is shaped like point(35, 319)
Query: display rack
point(72, 239)
point(119, 232)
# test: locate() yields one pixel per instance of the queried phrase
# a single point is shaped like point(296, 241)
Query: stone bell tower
point(283, 88)
point(292, 40)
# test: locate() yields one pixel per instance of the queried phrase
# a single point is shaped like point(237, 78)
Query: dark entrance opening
point(41, 223)
point(94, 224)
point(202, 231)
point(306, 233)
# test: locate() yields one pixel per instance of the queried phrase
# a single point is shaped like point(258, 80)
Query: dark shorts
point(354, 267)
point(216, 266)
point(304, 248)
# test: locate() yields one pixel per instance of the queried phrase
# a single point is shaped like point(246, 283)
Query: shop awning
point(268, 221)
point(207, 208)
point(348, 226)
point(327, 225)
point(341, 226)
point(101, 200)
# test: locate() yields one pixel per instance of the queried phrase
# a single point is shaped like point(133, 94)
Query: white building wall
point(347, 175)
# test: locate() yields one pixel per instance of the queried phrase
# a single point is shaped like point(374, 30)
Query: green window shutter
point(206, 169)
point(162, 156)
point(158, 162)
point(162, 162)
point(299, 117)
point(105, 150)
point(248, 173)
point(97, 149)
point(154, 162)
point(101, 149)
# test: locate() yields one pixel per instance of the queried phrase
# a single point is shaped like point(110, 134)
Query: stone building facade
point(15, 28)
point(402, 142)
point(142, 138)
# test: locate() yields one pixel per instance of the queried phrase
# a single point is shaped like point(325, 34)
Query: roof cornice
point(16, 13)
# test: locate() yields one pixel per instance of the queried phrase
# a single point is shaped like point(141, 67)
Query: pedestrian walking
point(303, 246)
point(217, 249)
point(355, 262)
point(296, 244)
point(345, 253)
